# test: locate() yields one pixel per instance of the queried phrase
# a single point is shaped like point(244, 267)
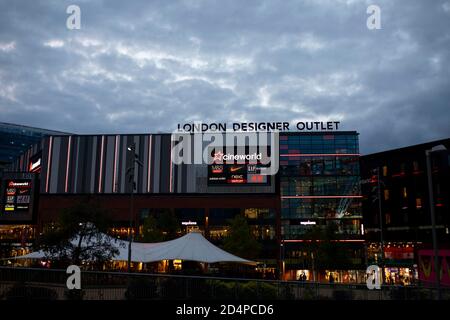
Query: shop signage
point(259, 126)
point(189, 223)
point(17, 199)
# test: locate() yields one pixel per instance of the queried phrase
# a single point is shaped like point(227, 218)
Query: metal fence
point(50, 284)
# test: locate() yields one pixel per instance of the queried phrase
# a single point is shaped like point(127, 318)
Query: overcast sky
point(144, 66)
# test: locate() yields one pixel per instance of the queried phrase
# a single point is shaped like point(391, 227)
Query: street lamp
point(130, 171)
point(380, 213)
point(433, 218)
point(281, 259)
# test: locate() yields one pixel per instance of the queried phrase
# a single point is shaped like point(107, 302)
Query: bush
point(223, 289)
point(242, 290)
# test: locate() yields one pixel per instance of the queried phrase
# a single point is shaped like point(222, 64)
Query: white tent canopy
point(192, 246)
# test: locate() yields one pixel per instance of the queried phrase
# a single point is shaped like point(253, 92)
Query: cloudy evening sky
point(144, 66)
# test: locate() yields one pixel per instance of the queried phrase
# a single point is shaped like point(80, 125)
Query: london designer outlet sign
point(259, 126)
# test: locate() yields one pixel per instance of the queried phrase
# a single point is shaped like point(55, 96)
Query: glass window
point(418, 203)
point(388, 218)
point(402, 168)
point(317, 167)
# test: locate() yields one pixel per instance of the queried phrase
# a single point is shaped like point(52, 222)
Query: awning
point(192, 246)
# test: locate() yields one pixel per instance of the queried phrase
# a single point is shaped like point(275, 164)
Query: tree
point(240, 240)
point(326, 251)
point(5, 249)
point(162, 225)
point(150, 231)
point(79, 235)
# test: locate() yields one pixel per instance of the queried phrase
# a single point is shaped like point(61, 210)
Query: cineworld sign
point(220, 156)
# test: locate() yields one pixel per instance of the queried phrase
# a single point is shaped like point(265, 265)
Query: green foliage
point(151, 232)
point(240, 240)
point(246, 290)
point(326, 252)
point(162, 225)
point(77, 236)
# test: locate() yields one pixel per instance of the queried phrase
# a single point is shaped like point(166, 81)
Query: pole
point(130, 235)
point(130, 228)
point(281, 259)
point(433, 225)
point(380, 212)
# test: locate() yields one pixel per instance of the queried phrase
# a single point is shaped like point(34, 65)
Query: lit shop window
point(418, 203)
point(388, 218)
point(251, 213)
point(177, 264)
point(259, 213)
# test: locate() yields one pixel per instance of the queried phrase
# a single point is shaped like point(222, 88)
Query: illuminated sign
point(35, 163)
point(220, 157)
point(229, 174)
point(307, 223)
point(35, 166)
point(236, 169)
point(17, 197)
point(189, 223)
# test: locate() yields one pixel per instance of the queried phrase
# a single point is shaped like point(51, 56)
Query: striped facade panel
point(98, 164)
point(156, 164)
point(109, 165)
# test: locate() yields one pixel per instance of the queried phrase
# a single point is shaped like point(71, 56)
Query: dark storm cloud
point(143, 66)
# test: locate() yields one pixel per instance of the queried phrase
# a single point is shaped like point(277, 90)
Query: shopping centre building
point(395, 186)
point(316, 189)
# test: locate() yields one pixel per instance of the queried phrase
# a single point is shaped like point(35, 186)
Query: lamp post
point(433, 217)
point(380, 212)
point(130, 171)
point(282, 259)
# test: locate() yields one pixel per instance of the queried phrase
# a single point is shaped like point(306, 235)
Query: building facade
point(16, 139)
point(320, 199)
point(315, 189)
point(396, 193)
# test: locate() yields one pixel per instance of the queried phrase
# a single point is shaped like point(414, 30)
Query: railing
point(29, 283)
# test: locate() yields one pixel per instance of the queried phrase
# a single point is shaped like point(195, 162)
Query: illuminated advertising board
point(227, 169)
point(17, 197)
point(35, 163)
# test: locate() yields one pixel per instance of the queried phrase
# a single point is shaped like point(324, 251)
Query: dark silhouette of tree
point(79, 235)
point(162, 225)
point(326, 250)
point(240, 240)
point(5, 249)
